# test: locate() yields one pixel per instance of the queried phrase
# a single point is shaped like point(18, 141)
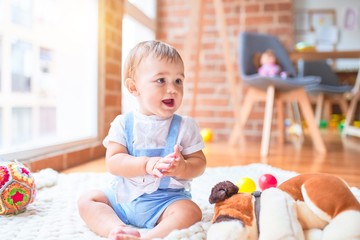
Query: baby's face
point(160, 86)
point(267, 58)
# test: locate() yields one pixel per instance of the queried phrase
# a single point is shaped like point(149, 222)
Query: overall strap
point(170, 143)
point(172, 134)
point(129, 125)
point(170, 140)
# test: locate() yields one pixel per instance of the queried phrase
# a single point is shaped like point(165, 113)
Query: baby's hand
point(156, 165)
point(177, 163)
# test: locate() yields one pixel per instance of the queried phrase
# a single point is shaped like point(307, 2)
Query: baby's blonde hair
point(144, 49)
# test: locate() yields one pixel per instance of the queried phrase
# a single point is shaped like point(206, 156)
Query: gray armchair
point(272, 90)
point(328, 91)
point(252, 43)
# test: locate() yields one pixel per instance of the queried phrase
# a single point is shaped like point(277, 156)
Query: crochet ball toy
point(17, 188)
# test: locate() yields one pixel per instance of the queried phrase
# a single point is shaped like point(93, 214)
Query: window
point(48, 83)
point(20, 66)
point(21, 125)
point(47, 123)
point(136, 30)
point(47, 79)
point(1, 124)
point(21, 12)
point(0, 61)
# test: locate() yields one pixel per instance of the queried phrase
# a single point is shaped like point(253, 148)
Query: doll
point(266, 63)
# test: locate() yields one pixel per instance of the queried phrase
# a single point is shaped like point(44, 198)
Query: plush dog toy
point(307, 206)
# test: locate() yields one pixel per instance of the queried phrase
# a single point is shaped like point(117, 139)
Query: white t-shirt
point(151, 132)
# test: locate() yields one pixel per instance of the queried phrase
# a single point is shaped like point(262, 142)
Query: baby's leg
point(97, 213)
point(179, 215)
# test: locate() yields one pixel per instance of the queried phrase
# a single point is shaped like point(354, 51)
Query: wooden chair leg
point(281, 121)
point(343, 105)
point(350, 114)
point(319, 108)
point(298, 120)
point(265, 140)
point(246, 108)
point(327, 109)
point(306, 109)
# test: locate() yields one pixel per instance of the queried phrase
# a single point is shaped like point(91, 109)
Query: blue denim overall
point(152, 195)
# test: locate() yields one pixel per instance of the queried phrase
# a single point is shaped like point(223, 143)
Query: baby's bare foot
point(124, 233)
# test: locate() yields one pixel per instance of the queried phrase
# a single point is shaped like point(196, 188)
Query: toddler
point(152, 152)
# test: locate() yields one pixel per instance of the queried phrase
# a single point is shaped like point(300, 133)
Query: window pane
point(46, 77)
point(0, 61)
point(21, 66)
point(1, 12)
point(21, 12)
point(47, 121)
point(1, 127)
point(46, 12)
point(21, 125)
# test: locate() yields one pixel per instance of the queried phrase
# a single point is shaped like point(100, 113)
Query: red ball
point(267, 181)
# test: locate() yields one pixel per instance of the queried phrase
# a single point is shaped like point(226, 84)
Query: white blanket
point(54, 213)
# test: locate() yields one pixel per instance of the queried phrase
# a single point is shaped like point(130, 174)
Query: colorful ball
point(206, 134)
point(267, 181)
point(246, 185)
point(17, 188)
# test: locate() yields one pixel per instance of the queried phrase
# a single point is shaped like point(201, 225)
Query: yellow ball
point(246, 185)
point(206, 134)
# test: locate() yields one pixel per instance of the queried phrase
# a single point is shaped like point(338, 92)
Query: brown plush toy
point(307, 206)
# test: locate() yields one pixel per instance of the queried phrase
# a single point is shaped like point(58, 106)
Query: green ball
point(323, 124)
